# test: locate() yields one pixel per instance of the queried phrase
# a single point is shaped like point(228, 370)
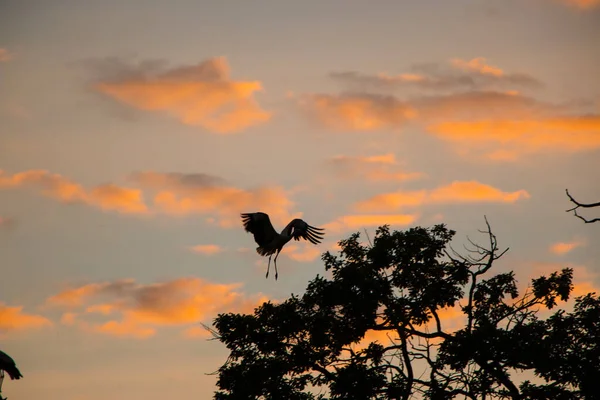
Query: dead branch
point(582, 205)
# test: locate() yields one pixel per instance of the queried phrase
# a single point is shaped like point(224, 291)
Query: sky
point(133, 134)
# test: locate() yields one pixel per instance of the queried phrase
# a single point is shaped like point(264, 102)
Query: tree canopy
point(398, 289)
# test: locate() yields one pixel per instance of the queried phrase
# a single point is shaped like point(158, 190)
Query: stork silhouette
point(270, 242)
point(8, 364)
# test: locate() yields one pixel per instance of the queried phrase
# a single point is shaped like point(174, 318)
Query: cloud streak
point(561, 248)
point(172, 194)
point(455, 192)
point(206, 249)
point(523, 136)
point(376, 168)
point(107, 197)
point(356, 111)
point(124, 308)
point(201, 95)
point(582, 4)
point(12, 318)
point(354, 221)
point(456, 74)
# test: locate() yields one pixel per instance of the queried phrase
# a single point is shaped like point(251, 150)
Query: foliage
point(305, 347)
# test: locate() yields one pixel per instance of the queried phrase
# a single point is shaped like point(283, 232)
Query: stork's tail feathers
point(13, 372)
point(264, 252)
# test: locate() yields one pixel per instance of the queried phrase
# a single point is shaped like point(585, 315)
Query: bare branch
point(582, 205)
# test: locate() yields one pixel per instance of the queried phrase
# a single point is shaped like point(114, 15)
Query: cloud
point(582, 4)
point(7, 223)
point(302, 253)
point(499, 126)
point(128, 309)
point(182, 194)
point(456, 74)
point(14, 319)
point(170, 193)
point(481, 105)
point(561, 248)
point(377, 168)
point(5, 55)
point(517, 137)
point(107, 197)
point(199, 95)
point(476, 106)
point(206, 249)
point(455, 192)
point(356, 111)
point(370, 112)
point(350, 222)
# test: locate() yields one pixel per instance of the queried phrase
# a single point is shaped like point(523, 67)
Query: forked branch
point(582, 205)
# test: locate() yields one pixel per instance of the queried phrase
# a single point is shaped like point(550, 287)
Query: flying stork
point(270, 242)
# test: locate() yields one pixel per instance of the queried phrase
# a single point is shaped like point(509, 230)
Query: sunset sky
point(133, 133)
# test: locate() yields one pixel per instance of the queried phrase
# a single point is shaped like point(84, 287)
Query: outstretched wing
point(8, 364)
point(303, 230)
point(260, 226)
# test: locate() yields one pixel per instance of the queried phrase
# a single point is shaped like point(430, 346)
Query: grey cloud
point(169, 179)
point(436, 76)
point(118, 69)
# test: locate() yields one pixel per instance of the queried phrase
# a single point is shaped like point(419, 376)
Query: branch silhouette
point(582, 205)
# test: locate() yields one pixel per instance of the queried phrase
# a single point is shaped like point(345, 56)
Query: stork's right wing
point(260, 226)
point(8, 365)
point(307, 232)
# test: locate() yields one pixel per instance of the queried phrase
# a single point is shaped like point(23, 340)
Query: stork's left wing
point(307, 232)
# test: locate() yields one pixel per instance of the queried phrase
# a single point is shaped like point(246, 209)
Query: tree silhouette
point(400, 286)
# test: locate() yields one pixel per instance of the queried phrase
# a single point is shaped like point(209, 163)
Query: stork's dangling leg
point(268, 266)
point(275, 261)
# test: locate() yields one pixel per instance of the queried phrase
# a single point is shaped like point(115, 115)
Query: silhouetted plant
point(305, 347)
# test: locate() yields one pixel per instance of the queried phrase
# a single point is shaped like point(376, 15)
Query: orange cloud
point(561, 248)
point(348, 222)
point(382, 167)
point(481, 106)
point(455, 192)
point(106, 197)
point(370, 112)
point(356, 112)
point(206, 249)
point(5, 55)
point(472, 192)
point(14, 319)
point(477, 65)
point(303, 253)
point(137, 310)
point(565, 134)
point(582, 4)
point(171, 193)
point(182, 194)
point(199, 95)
